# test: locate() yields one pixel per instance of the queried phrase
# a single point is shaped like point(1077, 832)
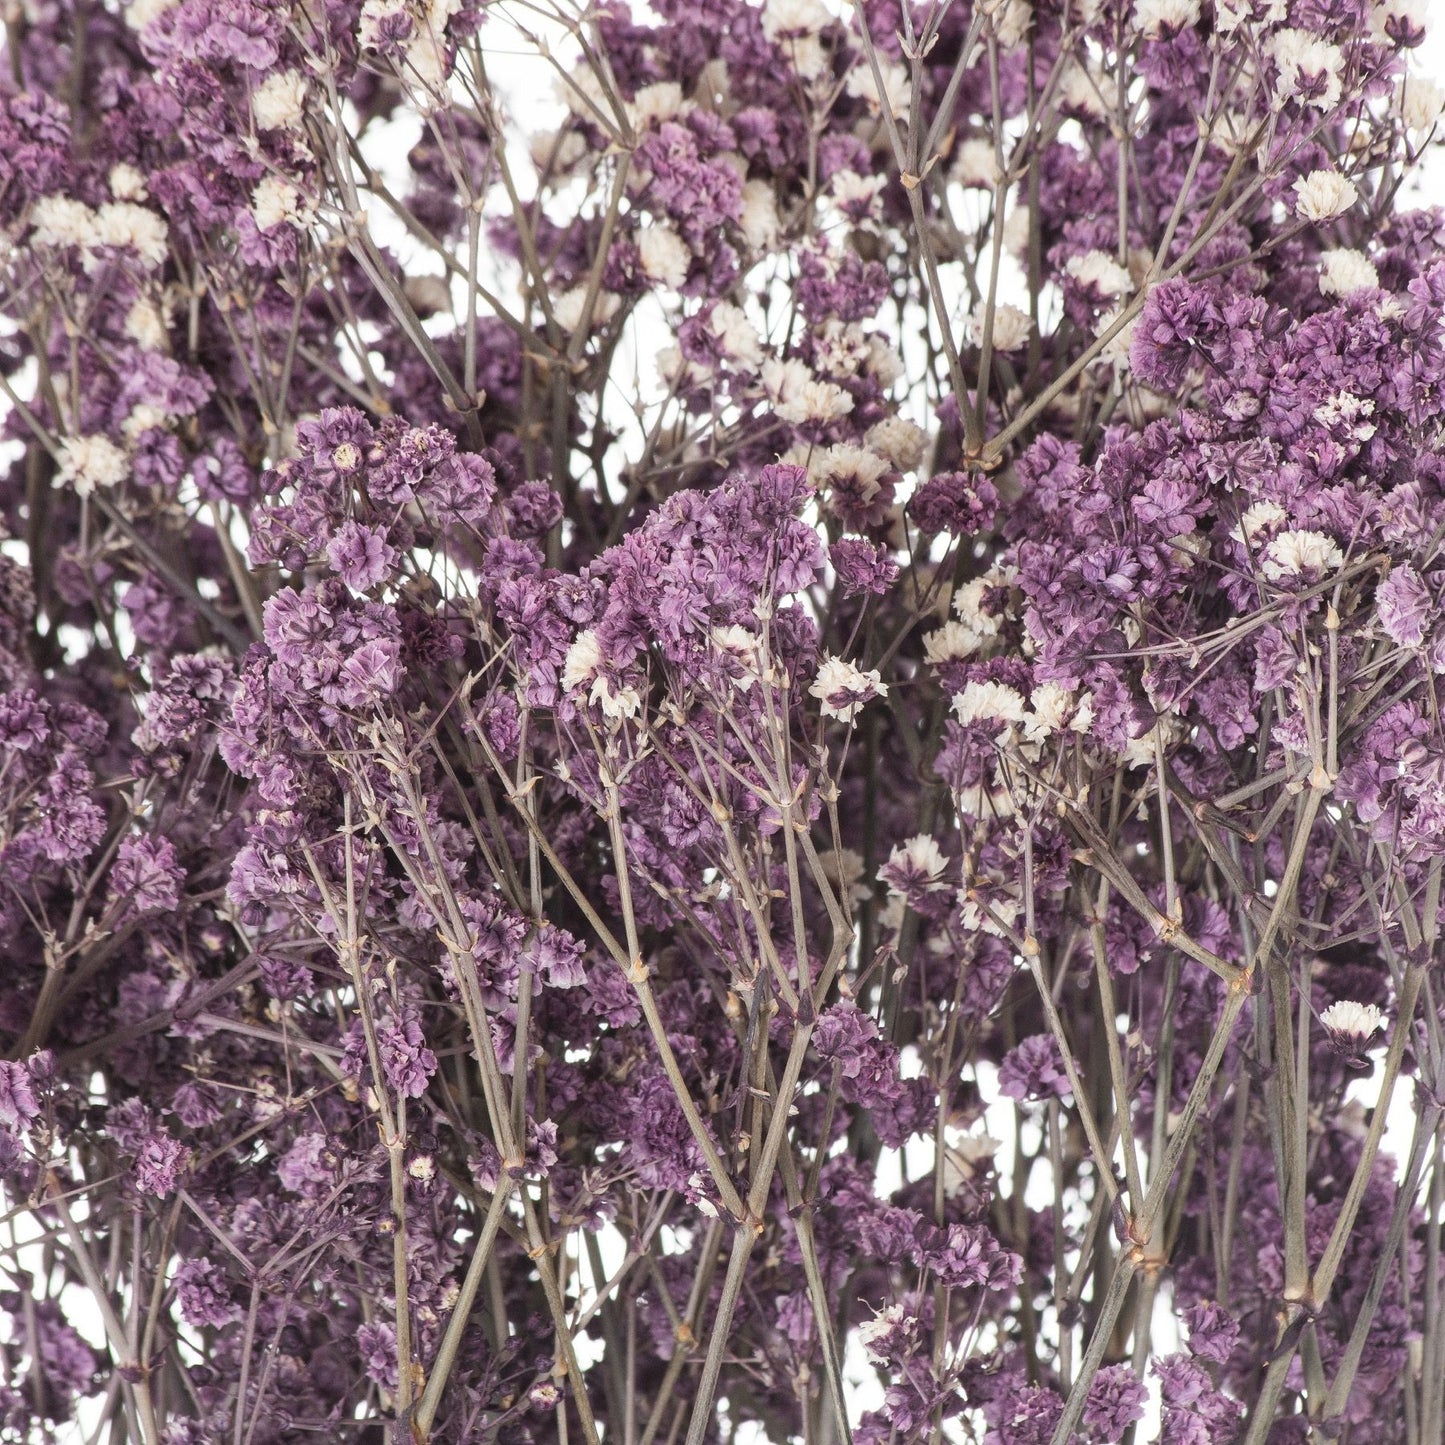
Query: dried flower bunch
point(763, 766)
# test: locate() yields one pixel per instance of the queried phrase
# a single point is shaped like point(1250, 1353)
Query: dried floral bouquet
point(744, 747)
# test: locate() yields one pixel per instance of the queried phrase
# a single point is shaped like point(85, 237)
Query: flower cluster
point(750, 747)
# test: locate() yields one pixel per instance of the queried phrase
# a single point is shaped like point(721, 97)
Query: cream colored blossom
point(583, 665)
point(1153, 18)
point(664, 255)
point(279, 102)
point(1322, 195)
point(127, 182)
point(759, 219)
point(919, 861)
point(1011, 327)
point(1421, 102)
point(975, 163)
point(1344, 272)
point(1292, 553)
point(61, 221)
point(1260, 517)
point(133, 228)
point(583, 659)
point(737, 336)
point(569, 306)
point(654, 104)
point(1301, 56)
point(988, 702)
point(1353, 1020)
point(90, 462)
point(1010, 19)
point(799, 397)
point(140, 13)
point(843, 688)
point(902, 442)
point(862, 85)
point(1099, 271)
point(145, 324)
point(276, 202)
point(950, 643)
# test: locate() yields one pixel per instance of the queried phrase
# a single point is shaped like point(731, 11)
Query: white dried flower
point(655, 104)
point(840, 348)
point(1309, 67)
point(862, 85)
point(794, 26)
point(62, 221)
point(975, 164)
point(555, 152)
point(664, 256)
point(279, 102)
point(374, 16)
point(855, 194)
point(902, 442)
point(569, 306)
point(1100, 272)
point(883, 362)
point(759, 219)
point(1156, 18)
point(988, 702)
point(139, 13)
point(583, 664)
point(1322, 195)
point(969, 596)
point(90, 462)
point(143, 418)
point(843, 868)
point(737, 336)
point(1084, 90)
point(126, 182)
point(950, 643)
point(1344, 272)
point(1346, 413)
point(1292, 553)
point(742, 647)
point(1421, 102)
point(799, 397)
point(583, 659)
point(887, 1323)
point(1229, 15)
point(1010, 20)
point(1261, 517)
point(1011, 327)
point(1115, 351)
point(794, 17)
point(1054, 709)
point(845, 462)
point(1401, 15)
point(134, 228)
point(276, 202)
point(145, 324)
point(915, 867)
point(1351, 1026)
point(842, 688)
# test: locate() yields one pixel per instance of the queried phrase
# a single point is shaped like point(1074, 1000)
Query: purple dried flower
point(409, 1064)
point(361, 555)
point(17, 1099)
point(1213, 1331)
point(1405, 606)
point(145, 877)
point(1116, 1400)
point(1034, 1070)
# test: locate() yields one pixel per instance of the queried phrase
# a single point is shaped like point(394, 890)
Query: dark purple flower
point(1034, 1070)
